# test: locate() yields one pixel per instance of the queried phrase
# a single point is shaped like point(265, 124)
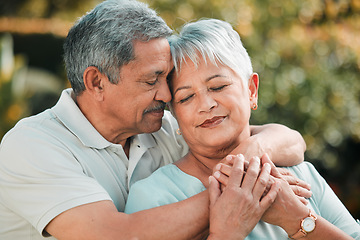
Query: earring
point(178, 132)
point(254, 107)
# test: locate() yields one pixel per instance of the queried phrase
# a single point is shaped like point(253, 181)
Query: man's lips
point(157, 113)
point(208, 123)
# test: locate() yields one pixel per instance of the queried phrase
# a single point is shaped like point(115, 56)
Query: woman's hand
point(298, 186)
point(236, 210)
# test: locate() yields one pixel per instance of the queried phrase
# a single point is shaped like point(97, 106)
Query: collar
point(71, 116)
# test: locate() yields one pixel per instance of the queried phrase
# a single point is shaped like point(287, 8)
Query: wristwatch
point(307, 225)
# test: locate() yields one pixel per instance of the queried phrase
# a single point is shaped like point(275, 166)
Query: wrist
point(307, 225)
point(292, 226)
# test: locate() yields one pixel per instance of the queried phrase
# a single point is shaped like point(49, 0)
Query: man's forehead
point(157, 45)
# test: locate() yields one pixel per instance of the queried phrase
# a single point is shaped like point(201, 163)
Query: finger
point(303, 200)
point(228, 160)
point(237, 172)
point(285, 172)
point(274, 170)
point(223, 168)
point(270, 197)
point(292, 180)
point(221, 178)
point(262, 181)
point(214, 190)
point(251, 175)
point(300, 191)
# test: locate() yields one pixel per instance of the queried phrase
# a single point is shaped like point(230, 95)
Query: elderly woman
point(214, 90)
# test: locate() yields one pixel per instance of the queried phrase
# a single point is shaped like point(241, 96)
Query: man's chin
point(152, 129)
point(152, 126)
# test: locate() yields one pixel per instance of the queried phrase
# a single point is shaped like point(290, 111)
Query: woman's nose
point(206, 102)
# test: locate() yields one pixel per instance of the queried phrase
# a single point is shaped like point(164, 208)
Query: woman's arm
point(284, 146)
point(288, 212)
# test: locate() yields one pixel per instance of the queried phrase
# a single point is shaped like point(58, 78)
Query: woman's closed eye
point(219, 88)
point(185, 99)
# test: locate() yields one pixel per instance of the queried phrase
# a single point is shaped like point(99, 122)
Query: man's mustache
point(160, 106)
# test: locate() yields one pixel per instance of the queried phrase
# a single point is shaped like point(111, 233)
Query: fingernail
point(267, 167)
point(241, 156)
point(228, 157)
point(218, 167)
point(217, 174)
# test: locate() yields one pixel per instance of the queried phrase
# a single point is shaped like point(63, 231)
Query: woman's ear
point(253, 89)
point(94, 82)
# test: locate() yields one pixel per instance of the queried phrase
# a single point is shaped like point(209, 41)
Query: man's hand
point(236, 210)
point(299, 187)
point(285, 146)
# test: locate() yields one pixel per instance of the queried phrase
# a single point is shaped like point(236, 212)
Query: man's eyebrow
point(152, 74)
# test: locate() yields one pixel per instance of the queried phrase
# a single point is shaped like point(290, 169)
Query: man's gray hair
point(104, 38)
point(213, 40)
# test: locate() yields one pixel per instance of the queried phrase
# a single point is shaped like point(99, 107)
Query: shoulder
point(28, 133)
point(304, 170)
point(158, 180)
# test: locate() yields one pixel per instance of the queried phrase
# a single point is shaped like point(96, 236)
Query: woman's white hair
point(213, 40)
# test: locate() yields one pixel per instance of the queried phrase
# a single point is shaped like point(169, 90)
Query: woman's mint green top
point(169, 184)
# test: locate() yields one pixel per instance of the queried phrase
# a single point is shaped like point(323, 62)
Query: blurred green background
point(307, 53)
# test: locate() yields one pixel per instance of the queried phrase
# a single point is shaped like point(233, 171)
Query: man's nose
point(163, 93)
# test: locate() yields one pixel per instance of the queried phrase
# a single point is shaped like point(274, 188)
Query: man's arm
point(284, 146)
point(101, 220)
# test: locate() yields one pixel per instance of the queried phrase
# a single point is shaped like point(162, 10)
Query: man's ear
point(253, 88)
point(94, 82)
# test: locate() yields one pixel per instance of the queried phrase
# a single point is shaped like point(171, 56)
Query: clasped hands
point(243, 192)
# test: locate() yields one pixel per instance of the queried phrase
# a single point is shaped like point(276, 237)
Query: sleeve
point(40, 178)
point(328, 204)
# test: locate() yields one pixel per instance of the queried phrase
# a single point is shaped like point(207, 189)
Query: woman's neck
point(198, 166)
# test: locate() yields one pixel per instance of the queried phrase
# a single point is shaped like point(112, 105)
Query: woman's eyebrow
point(214, 76)
point(181, 88)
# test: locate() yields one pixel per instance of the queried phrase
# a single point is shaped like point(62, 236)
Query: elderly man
point(66, 172)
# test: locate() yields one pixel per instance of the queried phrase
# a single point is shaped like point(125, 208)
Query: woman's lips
point(212, 122)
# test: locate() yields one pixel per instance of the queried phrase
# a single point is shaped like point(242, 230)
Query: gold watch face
point(308, 224)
